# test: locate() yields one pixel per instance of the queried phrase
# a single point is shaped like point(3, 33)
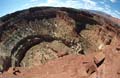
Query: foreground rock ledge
point(71, 66)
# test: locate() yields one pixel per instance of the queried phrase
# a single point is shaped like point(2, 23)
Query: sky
point(111, 7)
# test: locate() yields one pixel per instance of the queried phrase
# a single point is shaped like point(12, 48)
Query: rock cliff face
point(47, 42)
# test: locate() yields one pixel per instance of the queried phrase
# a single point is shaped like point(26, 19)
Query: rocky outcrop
point(64, 42)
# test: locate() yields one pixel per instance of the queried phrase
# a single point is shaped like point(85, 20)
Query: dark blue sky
point(111, 7)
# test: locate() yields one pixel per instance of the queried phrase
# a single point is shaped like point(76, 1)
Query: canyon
point(59, 42)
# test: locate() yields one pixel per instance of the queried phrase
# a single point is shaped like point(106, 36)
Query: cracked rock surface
point(54, 42)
